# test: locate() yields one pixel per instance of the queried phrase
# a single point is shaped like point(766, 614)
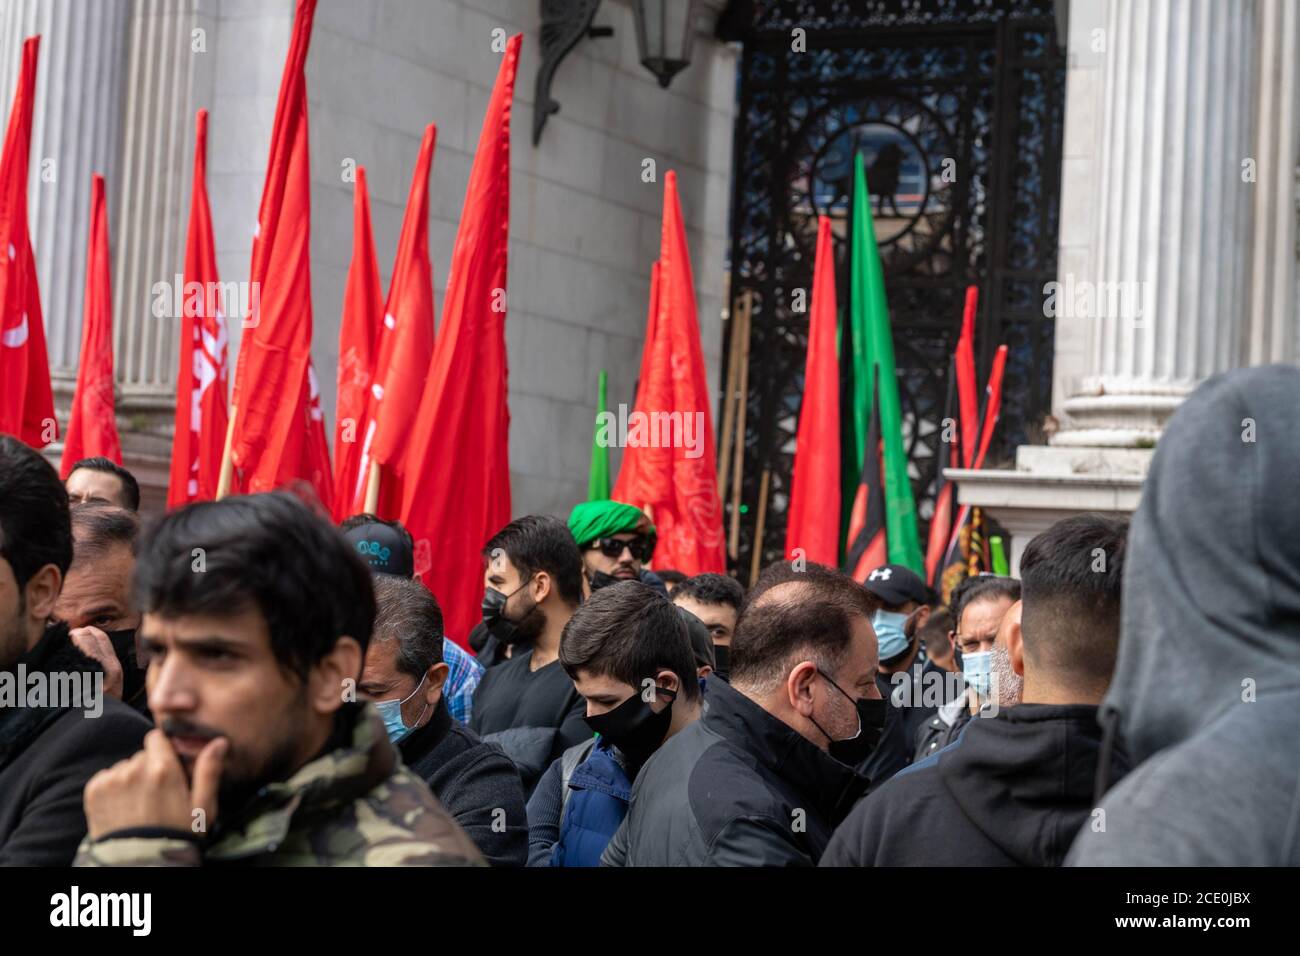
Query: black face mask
point(132, 675)
point(506, 631)
point(722, 661)
point(871, 723)
point(599, 579)
point(634, 727)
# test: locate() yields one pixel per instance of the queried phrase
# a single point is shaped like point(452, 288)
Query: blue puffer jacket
point(598, 801)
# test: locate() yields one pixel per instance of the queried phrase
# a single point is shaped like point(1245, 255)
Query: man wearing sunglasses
point(616, 540)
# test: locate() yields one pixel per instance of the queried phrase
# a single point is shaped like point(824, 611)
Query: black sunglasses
point(642, 547)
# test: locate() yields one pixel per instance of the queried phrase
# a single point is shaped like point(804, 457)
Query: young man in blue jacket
point(629, 654)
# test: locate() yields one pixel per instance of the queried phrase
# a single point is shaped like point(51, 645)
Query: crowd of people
point(276, 690)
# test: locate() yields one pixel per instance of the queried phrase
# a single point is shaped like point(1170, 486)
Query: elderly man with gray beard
point(1016, 785)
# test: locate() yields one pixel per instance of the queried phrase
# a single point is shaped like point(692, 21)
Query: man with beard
point(629, 656)
point(96, 598)
point(616, 541)
point(1016, 785)
point(256, 619)
point(527, 705)
point(52, 744)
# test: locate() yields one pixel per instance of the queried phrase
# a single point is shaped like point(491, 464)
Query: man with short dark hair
point(102, 479)
point(388, 548)
point(716, 600)
point(628, 653)
point(671, 577)
point(96, 601)
point(256, 619)
point(532, 585)
point(1016, 785)
point(404, 675)
point(937, 639)
point(764, 776)
point(51, 745)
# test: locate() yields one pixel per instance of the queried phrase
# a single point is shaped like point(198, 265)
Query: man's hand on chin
point(150, 789)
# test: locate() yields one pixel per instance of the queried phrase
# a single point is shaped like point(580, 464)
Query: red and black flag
point(867, 542)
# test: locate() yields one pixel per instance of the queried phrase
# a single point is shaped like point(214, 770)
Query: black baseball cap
point(383, 547)
point(897, 584)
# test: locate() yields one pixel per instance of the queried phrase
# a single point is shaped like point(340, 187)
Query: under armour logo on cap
point(881, 574)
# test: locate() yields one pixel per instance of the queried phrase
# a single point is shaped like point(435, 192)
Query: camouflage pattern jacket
point(353, 806)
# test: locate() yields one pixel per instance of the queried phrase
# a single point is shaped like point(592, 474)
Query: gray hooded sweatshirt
point(1206, 694)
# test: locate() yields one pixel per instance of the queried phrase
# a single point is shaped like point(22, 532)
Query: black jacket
point(475, 782)
point(914, 696)
point(1012, 790)
point(736, 788)
point(48, 753)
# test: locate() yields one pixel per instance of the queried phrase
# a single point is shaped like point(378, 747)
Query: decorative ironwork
point(564, 23)
point(958, 108)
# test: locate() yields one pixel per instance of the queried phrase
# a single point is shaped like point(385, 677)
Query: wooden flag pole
point(372, 488)
point(745, 313)
point(227, 459)
point(759, 527)
point(728, 393)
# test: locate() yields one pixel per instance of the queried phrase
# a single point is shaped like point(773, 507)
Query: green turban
point(599, 519)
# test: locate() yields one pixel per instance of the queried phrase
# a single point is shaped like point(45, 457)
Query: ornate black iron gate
point(957, 106)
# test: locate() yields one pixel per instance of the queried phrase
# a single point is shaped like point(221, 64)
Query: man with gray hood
point(1206, 695)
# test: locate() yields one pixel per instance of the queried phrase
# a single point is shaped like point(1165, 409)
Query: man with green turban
point(616, 540)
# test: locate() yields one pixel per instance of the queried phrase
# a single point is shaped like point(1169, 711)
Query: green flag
point(598, 476)
point(872, 346)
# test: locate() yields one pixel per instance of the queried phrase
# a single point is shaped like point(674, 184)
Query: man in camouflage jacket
point(355, 805)
point(256, 617)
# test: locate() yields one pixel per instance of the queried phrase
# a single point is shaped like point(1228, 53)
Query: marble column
point(75, 132)
point(1165, 300)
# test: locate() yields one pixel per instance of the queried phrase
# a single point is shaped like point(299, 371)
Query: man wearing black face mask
point(532, 585)
point(96, 600)
point(617, 540)
point(629, 655)
point(767, 772)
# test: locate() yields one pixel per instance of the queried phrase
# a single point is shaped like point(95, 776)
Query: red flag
point(813, 521)
point(458, 462)
point(26, 399)
point(405, 343)
point(202, 378)
point(269, 426)
point(363, 303)
point(678, 482)
point(966, 387)
point(992, 409)
point(92, 426)
point(315, 465)
point(868, 542)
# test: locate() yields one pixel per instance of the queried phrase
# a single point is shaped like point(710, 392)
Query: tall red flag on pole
point(92, 426)
point(964, 364)
point(203, 376)
point(813, 522)
point(26, 399)
point(679, 482)
point(405, 341)
point(457, 466)
point(363, 303)
point(315, 467)
point(629, 472)
point(271, 382)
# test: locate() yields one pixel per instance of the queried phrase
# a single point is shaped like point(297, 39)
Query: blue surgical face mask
point(890, 636)
point(391, 711)
point(977, 669)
